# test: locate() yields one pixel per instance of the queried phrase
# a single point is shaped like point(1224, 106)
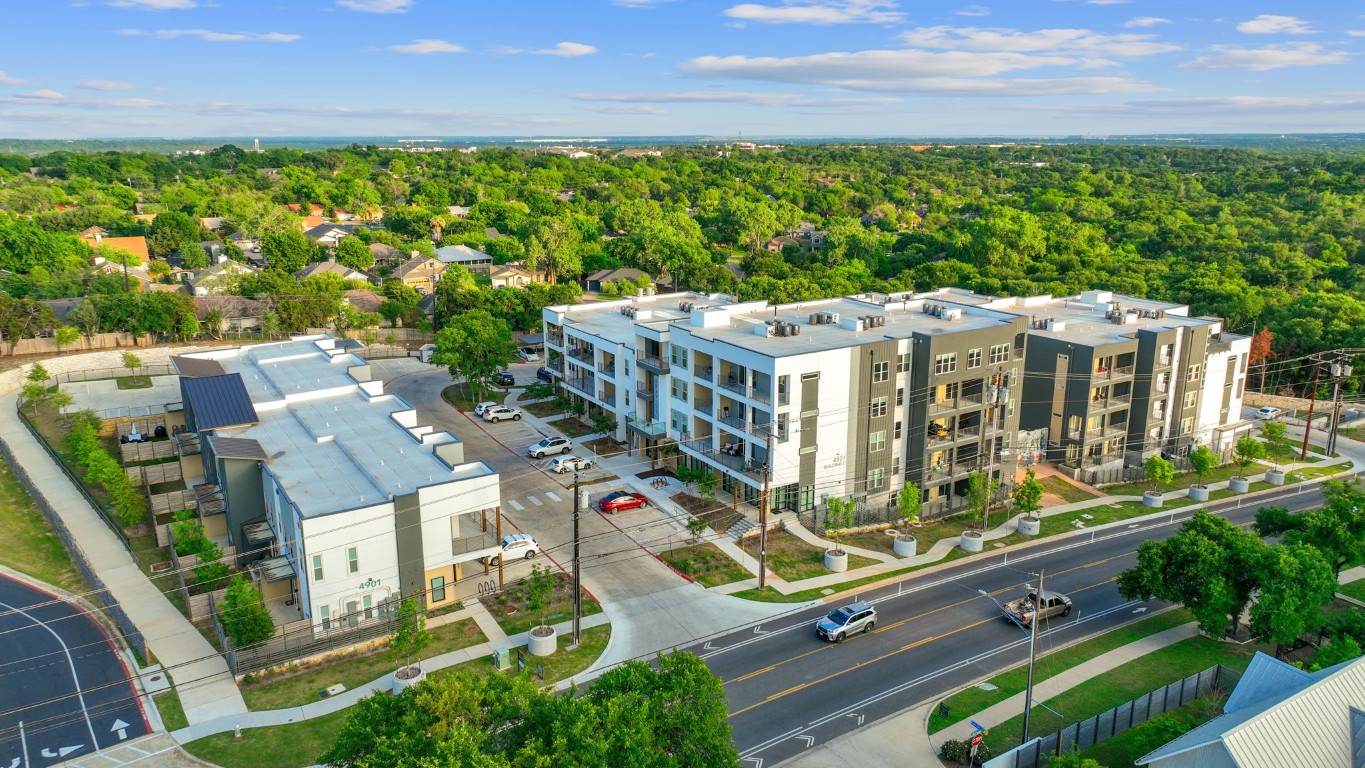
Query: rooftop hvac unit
point(780, 329)
point(793, 329)
point(952, 314)
point(817, 318)
point(684, 306)
point(764, 329)
point(831, 317)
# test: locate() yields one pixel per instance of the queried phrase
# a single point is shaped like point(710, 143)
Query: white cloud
point(426, 46)
point(1145, 21)
point(210, 36)
point(40, 95)
point(1269, 24)
point(1356, 32)
point(1257, 104)
point(567, 49)
point(1270, 57)
point(912, 71)
point(8, 80)
point(735, 97)
point(104, 85)
point(628, 109)
point(154, 5)
point(376, 6)
point(973, 10)
point(1073, 41)
point(828, 12)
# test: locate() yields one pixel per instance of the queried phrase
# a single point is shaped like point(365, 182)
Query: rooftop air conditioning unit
point(952, 314)
point(793, 329)
point(764, 329)
point(817, 318)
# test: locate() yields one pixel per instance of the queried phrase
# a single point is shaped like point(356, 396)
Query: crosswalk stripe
point(552, 496)
point(515, 504)
point(535, 501)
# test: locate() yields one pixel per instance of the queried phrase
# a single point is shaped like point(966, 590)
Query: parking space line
point(535, 501)
point(552, 496)
point(516, 504)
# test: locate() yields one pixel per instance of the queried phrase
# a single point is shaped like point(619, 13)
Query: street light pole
point(1032, 647)
point(1339, 372)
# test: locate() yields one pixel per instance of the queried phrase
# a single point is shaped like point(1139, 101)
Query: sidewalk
point(206, 687)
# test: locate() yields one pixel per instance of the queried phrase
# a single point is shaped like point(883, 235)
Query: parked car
point(528, 355)
point(1269, 413)
point(548, 446)
point(842, 622)
point(620, 501)
point(499, 412)
point(479, 408)
point(545, 374)
point(1025, 609)
point(570, 464)
point(515, 546)
point(505, 379)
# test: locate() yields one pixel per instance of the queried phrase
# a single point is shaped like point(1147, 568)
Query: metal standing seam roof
point(219, 401)
point(237, 448)
point(197, 367)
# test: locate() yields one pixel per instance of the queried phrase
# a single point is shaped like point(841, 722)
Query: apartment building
point(851, 396)
point(328, 487)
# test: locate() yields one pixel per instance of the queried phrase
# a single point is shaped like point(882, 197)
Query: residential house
point(62, 307)
point(1279, 716)
point(90, 233)
point(214, 223)
point(341, 214)
point(219, 279)
point(137, 276)
point(420, 273)
point(327, 234)
point(386, 255)
point(492, 233)
point(511, 276)
point(344, 502)
point(309, 222)
point(137, 246)
point(363, 300)
point(345, 272)
point(236, 314)
point(596, 280)
point(470, 258)
point(776, 244)
point(458, 211)
point(313, 209)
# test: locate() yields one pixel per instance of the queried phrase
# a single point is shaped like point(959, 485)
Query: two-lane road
point(789, 689)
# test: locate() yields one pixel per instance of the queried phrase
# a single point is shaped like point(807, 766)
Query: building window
point(900, 396)
point(1159, 409)
point(368, 603)
point(945, 363)
point(352, 560)
point(1242, 366)
point(1186, 425)
point(317, 567)
point(678, 356)
point(877, 440)
point(807, 493)
point(1167, 351)
point(1009, 408)
point(810, 376)
point(325, 614)
point(903, 363)
point(896, 465)
point(973, 359)
point(1000, 353)
point(438, 589)
point(897, 434)
point(1193, 373)
point(1191, 398)
point(783, 390)
point(878, 407)
point(876, 478)
point(881, 371)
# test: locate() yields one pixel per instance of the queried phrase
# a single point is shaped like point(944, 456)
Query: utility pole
point(1339, 372)
point(763, 514)
point(1308, 425)
point(577, 571)
point(1032, 647)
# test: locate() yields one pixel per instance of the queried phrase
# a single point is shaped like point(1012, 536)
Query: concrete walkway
point(203, 682)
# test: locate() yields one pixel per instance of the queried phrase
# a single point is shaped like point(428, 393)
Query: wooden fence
point(159, 449)
point(166, 503)
point(154, 473)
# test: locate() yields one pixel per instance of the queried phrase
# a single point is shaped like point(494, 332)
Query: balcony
point(607, 368)
point(477, 542)
point(1124, 370)
point(646, 428)
point(704, 407)
point(585, 385)
point(607, 397)
point(652, 362)
point(1164, 360)
point(554, 338)
point(581, 353)
point(1112, 401)
point(704, 375)
point(735, 386)
point(735, 422)
point(946, 405)
point(643, 391)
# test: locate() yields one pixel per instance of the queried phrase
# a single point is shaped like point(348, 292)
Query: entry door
point(352, 613)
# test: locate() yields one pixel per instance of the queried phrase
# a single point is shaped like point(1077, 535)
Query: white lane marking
point(80, 695)
point(122, 729)
point(535, 501)
point(23, 741)
point(516, 504)
point(552, 496)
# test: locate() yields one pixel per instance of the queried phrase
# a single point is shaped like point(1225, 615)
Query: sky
point(590, 68)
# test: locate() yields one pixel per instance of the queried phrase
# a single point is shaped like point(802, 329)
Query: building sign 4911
point(368, 584)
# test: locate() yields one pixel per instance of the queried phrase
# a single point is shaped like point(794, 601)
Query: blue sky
point(173, 68)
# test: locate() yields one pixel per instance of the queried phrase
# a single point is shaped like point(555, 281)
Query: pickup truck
point(1022, 610)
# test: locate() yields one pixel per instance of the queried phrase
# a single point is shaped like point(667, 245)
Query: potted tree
point(1202, 460)
point(1028, 499)
point(410, 636)
point(1160, 472)
point(539, 586)
point(909, 505)
point(838, 516)
point(1248, 451)
point(980, 488)
point(1273, 434)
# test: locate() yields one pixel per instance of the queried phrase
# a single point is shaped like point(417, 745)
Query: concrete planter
point(836, 560)
point(1030, 526)
point(1239, 484)
point(543, 641)
point(1274, 477)
point(1151, 499)
point(407, 677)
point(972, 541)
point(904, 545)
point(1199, 492)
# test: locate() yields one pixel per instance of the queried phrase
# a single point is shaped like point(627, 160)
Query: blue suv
point(854, 617)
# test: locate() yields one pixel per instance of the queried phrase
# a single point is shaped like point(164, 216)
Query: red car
point(620, 501)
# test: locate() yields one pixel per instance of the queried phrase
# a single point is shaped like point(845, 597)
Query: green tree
point(246, 620)
point(475, 346)
point(1028, 495)
point(132, 362)
point(61, 401)
point(604, 422)
point(981, 489)
point(1248, 451)
point(1339, 650)
point(540, 585)
point(1294, 582)
point(1203, 461)
point(33, 394)
point(410, 634)
point(1336, 529)
point(1160, 472)
point(65, 336)
point(189, 327)
point(838, 516)
point(1074, 759)
point(352, 252)
point(288, 251)
point(909, 504)
point(1273, 434)
point(192, 255)
point(37, 374)
point(86, 317)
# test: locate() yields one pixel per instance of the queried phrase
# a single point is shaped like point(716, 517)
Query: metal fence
point(96, 374)
point(300, 640)
point(106, 513)
point(121, 619)
point(1090, 732)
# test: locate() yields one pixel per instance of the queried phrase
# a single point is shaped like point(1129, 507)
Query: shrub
point(954, 750)
point(246, 620)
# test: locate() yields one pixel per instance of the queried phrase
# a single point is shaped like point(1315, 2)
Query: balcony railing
point(467, 544)
point(757, 394)
point(581, 353)
point(737, 387)
point(587, 385)
point(735, 422)
point(1164, 360)
point(652, 362)
point(556, 339)
point(706, 407)
point(641, 390)
point(607, 368)
point(705, 374)
point(1124, 370)
point(647, 428)
point(606, 397)
point(946, 405)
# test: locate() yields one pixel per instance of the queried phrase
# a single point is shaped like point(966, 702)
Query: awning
point(258, 533)
point(276, 569)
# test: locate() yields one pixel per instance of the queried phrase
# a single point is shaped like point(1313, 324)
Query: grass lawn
point(1310, 473)
point(707, 564)
point(31, 546)
point(460, 396)
point(1183, 480)
point(352, 671)
point(879, 541)
point(793, 559)
point(572, 427)
point(1122, 684)
point(1069, 493)
point(562, 664)
point(1354, 589)
point(542, 410)
point(969, 701)
point(134, 382)
point(282, 746)
point(522, 619)
point(1288, 453)
point(1224, 493)
point(1130, 745)
point(172, 714)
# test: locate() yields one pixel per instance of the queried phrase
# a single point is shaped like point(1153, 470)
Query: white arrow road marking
point(760, 631)
point(61, 751)
point(515, 504)
point(708, 646)
point(535, 501)
point(808, 739)
point(855, 714)
point(1134, 525)
point(758, 761)
point(14, 763)
point(122, 729)
point(1143, 609)
point(552, 496)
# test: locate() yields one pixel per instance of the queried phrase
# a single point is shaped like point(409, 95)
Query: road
point(789, 690)
point(66, 692)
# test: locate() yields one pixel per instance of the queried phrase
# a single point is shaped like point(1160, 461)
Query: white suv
point(548, 446)
point(499, 412)
point(516, 546)
point(570, 464)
